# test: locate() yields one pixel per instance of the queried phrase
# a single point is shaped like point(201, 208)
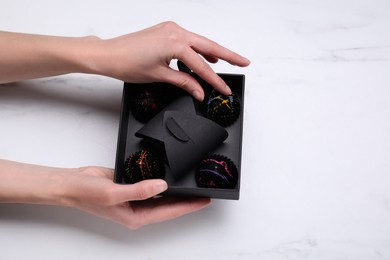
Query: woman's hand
point(91, 189)
point(139, 57)
point(144, 56)
point(132, 205)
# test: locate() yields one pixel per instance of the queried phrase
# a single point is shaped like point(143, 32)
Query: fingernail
point(228, 89)
point(160, 186)
point(197, 95)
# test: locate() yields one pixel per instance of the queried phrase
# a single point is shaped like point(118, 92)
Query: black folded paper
point(184, 136)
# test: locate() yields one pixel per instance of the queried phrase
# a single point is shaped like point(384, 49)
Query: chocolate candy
point(216, 171)
point(222, 109)
point(143, 165)
point(145, 103)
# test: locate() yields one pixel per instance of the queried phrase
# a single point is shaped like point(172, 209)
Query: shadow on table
point(70, 218)
point(70, 91)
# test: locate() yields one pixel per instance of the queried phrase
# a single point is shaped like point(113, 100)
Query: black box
point(128, 143)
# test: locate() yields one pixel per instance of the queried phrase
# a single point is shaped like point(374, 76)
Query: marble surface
point(316, 166)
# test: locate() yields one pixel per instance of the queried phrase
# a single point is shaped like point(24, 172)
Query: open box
point(186, 185)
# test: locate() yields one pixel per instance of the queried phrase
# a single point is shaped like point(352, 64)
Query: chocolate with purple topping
point(216, 171)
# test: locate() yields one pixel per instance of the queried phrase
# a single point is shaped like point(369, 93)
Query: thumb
point(141, 190)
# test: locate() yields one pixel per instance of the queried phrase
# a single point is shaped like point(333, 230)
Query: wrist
point(28, 56)
point(87, 55)
point(32, 184)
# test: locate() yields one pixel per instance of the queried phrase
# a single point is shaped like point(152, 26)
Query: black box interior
point(128, 143)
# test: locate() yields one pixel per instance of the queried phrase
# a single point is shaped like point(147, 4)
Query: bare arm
point(142, 56)
point(91, 189)
point(28, 56)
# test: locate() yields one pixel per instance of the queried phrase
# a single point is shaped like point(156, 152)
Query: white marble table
point(316, 154)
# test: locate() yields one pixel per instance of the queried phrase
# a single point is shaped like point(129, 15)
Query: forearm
point(26, 183)
point(137, 57)
point(27, 56)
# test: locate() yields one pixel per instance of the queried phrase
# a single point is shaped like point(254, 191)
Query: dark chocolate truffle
point(216, 171)
point(145, 103)
point(222, 109)
point(143, 165)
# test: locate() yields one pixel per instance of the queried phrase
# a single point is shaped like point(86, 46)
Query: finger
point(208, 47)
point(139, 191)
point(184, 81)
point(214, 49)
point(165, 208)
point(203, 70)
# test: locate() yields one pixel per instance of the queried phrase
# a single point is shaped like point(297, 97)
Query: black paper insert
point(186, 136)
